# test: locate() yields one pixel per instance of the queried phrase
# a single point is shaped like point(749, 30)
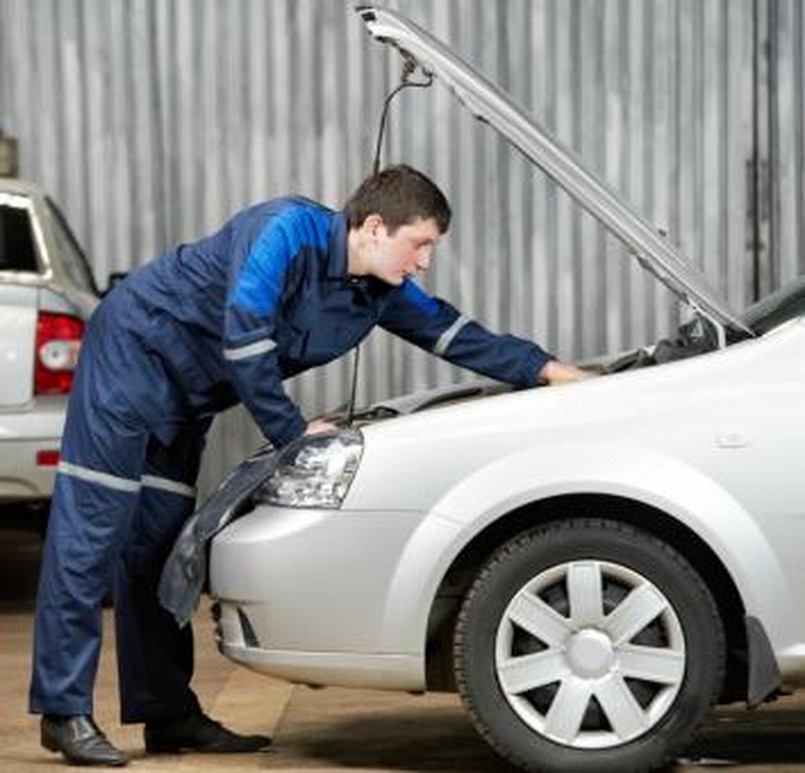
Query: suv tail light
point(58, 339)
point(47, 458)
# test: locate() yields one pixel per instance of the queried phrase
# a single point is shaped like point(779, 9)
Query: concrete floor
point(322, 730)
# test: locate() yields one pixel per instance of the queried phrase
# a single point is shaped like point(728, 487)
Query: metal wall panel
point(786, 132)
point(153, 120)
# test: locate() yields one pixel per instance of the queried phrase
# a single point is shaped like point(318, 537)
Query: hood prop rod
point(410, 66)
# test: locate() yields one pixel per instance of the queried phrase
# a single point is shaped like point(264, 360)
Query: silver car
point(46, 294)
point(592, 566)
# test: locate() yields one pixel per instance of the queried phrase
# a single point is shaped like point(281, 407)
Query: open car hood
point(493, 106)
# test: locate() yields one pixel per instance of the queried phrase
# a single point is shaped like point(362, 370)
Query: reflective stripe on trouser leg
point(95, 494)
point(83, 529)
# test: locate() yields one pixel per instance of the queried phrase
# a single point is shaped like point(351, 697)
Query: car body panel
point(22, 435)
point(634, 402)
point(649, 436)
point(637, 475)
point(653, 436)
point(342, 622)
point(18, 310)
point(58, 283)
point(341, 638)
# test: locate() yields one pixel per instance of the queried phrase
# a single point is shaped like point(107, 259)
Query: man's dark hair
point(400, 195)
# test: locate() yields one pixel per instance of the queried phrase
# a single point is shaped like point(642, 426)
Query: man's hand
point(554, 373)
point(317, 426)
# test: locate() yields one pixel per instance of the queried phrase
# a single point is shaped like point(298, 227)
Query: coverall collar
point(338, 247)
point(338, 264)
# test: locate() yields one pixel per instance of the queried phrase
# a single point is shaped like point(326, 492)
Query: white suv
point(46, 294)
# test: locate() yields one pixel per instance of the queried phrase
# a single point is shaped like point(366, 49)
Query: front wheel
point(588, 645)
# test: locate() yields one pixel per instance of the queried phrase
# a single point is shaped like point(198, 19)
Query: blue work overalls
point(207, 325)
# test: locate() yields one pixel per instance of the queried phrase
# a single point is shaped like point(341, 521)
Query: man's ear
point(373, 223)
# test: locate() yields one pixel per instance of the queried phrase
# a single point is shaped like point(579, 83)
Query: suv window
point(17, 246)
point(70, 254)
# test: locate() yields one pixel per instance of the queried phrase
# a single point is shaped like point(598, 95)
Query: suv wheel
point(588, 645)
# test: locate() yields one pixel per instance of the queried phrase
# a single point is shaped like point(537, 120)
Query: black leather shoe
point(80, 741)
point(198, 733)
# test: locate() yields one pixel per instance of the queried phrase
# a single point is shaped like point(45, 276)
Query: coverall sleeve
point(250, 334)
point(439, 328)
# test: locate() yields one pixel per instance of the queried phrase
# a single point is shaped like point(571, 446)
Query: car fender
point(641, 474)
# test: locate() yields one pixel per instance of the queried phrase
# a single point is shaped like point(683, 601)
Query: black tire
point(537, 712)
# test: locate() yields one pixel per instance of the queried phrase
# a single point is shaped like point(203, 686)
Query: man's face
point(405, 253)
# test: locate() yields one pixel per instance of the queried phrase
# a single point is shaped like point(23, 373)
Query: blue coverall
point(199, 329)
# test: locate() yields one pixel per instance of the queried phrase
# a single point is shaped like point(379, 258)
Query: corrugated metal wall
point(785, 202)
point(153, 120)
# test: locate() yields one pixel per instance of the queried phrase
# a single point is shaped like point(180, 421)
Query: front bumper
point(306, 595)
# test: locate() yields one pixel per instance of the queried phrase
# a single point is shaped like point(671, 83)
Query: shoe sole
point(49, 745)
point(52, 746)
point(160, 749)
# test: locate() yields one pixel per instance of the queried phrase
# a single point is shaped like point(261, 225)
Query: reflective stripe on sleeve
point(101, 478)
point(165, 484)
point(250, 350)
point(446, 338)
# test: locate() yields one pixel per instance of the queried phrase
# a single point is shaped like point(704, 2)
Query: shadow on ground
point(19, 570)
point(773, 735)
point(366, 730)
point(415, 738)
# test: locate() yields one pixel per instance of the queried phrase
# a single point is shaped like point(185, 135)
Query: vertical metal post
point(760, 232)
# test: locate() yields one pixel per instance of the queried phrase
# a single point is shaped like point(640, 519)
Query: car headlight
point(315, 472)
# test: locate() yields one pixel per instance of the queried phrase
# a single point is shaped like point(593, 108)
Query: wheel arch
point(461, 572)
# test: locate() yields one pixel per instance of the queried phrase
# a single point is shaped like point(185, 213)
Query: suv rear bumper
point(22, 435)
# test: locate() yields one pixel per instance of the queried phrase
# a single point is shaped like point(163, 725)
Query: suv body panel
point(42, 269)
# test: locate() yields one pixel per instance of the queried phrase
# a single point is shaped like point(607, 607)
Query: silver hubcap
point(590, 654)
